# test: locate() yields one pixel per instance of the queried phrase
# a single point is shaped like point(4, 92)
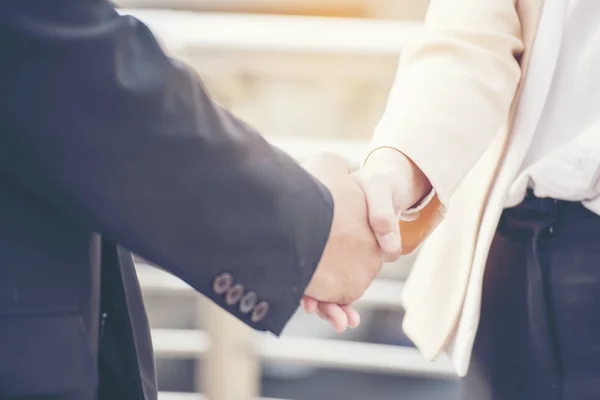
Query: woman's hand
point(392, 183)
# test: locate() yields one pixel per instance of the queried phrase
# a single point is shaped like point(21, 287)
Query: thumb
point(382, 214)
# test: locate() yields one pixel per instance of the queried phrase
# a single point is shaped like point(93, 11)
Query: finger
point(392, 257)
point(309, 304)
point(382, 215)
point(352, 315)
point(335, 315)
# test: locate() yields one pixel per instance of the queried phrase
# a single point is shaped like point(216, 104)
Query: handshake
point(365, 232)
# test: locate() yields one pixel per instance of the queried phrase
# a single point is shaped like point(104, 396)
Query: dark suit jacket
point(105, 142)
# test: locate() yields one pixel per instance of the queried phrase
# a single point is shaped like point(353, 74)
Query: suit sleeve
point(98, 122)
point(454, 89)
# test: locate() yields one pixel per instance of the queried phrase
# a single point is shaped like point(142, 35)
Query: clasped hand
point(364, 232)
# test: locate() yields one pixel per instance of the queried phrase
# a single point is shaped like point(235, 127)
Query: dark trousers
point(539, 333)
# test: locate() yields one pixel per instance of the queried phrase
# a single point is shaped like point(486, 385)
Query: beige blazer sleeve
point(453, 91)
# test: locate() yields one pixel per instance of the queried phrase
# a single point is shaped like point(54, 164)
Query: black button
point(222, 283)
point(248, 302)
point(234, 294)
point(260, 311)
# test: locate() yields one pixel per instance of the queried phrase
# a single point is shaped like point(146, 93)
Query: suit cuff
point(413, 213)
point(310, 225)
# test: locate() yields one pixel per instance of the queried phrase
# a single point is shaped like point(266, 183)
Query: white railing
point(329, 353)
point(271, 6)
point(387, 9)
point(183, 30)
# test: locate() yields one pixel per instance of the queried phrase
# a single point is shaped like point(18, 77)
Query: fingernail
point(338, 326)
point(355, 322)
point(390, 242)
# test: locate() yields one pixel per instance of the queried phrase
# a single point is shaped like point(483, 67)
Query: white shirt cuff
point(413, 213)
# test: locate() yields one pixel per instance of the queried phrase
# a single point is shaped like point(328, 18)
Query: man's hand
point(352, 257)
point(391, 183)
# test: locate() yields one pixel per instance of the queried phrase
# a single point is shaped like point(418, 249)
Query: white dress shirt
point(563, 161)
point(555, 139)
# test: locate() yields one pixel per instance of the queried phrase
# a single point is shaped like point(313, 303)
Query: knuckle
point(349, 298)
point(382, 222)
point(392, 257)
point(375, 182)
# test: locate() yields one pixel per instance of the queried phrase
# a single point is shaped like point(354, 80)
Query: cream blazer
point(453, 111)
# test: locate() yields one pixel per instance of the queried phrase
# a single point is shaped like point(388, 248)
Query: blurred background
point(311, 75)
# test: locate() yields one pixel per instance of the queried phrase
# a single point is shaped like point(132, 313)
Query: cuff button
point(248, 302)
point(234, 294)
point(222, 283)
point(260, 311)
